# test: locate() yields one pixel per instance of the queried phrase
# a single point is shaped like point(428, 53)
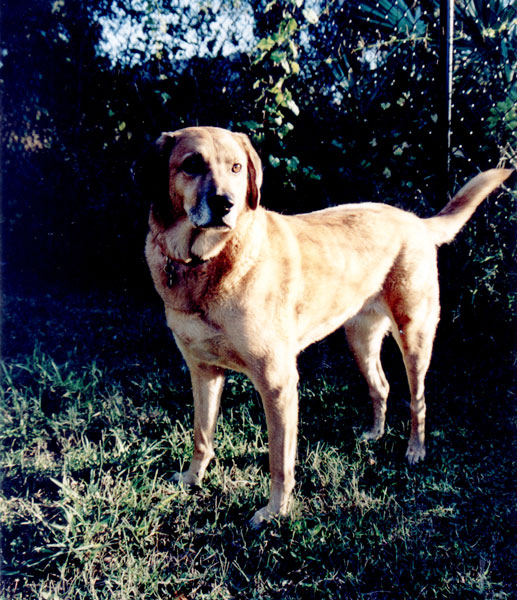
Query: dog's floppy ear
point(151, 176)
point(254, 171)
point(165, 143)
point(161, 200)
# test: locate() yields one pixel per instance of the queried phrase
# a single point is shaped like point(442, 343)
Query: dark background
point(330, 124)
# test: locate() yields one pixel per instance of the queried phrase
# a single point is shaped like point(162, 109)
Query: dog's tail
point(447, 223)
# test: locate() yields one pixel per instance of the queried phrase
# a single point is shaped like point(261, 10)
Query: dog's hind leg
point(416, 327)
point(207, 386)
point(365, 333)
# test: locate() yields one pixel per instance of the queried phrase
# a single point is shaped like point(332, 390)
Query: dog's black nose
point(220, 205)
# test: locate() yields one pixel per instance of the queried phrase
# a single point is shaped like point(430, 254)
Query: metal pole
point(447, 68)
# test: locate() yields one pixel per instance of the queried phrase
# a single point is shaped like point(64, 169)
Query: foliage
point(336, 97)
point(277, 54)
point(173, 31)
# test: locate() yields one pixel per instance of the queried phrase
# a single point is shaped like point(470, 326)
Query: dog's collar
point(171, 266)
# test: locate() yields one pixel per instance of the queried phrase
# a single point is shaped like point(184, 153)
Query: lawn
point(96, 417)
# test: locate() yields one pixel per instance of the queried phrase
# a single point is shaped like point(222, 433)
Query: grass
point(96, 416)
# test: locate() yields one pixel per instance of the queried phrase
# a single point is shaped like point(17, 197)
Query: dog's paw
point(371, 435)
point(260, 518)
point(186, 479)
point(415, 453)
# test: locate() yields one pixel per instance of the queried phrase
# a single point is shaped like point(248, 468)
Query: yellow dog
point(247, 289)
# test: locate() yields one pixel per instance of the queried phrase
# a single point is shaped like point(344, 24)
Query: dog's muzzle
point(213, 211)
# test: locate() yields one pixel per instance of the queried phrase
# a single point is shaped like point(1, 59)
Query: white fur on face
point(200, 214)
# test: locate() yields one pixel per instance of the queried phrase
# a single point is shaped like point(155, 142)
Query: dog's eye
point(194, 165)
point(236, 168)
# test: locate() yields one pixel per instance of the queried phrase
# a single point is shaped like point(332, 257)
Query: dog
point(247, 289)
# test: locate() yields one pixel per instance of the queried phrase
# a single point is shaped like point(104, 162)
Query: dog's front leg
point(280, 398)
point(207, 386)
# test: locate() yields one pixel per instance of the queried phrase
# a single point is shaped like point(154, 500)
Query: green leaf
point(266, 44)
point(295, 67)
point(251, 125)
point(286, 66)
point(292, 26)
point(278, 56)
point(293, 164)
point(293, 107)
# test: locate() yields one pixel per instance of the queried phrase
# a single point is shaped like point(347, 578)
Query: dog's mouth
point(214, 213)
point(223, 224)
point(214, 227)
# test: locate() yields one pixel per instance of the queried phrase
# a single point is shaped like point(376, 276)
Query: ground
point(96, 417)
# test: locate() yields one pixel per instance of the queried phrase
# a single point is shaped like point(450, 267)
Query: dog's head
point(214, 176)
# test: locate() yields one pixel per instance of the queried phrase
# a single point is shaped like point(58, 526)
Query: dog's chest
point(198, 336)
